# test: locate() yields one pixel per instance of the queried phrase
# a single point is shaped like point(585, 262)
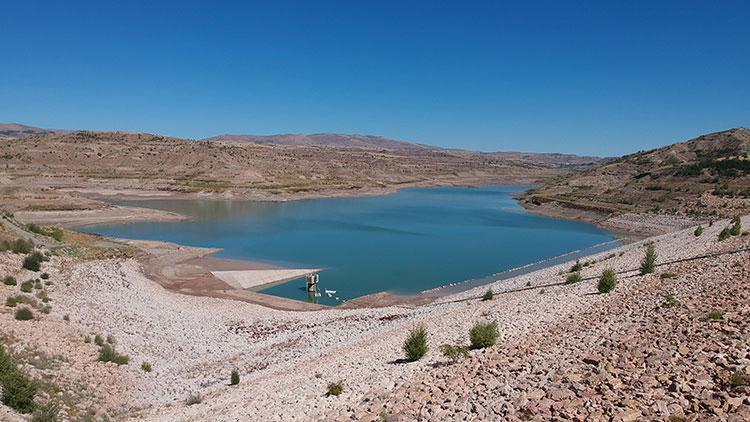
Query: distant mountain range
point(357, 142)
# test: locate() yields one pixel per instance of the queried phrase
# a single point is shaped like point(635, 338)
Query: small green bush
point(10, 281)
point(573, 278)
point(107, 353)
point(11, 302)
point(648, 264)
point(146, 367)
point(46, 413)
point(415, 346)
point(44, 276)
point(335, 389)
point(454, 352)
point(483, 334)
point(716, 315)
point(33, 261)
point(488, 295)
point(34, 228)
point(234, 378)
point(27, 286)
point(194, 398)
point(725, 234)
point(98, 340)
point(667, 275)
point(736, 228)
point(18, 391)
point(607, 282)
point(17, 246)
point(24, 314)
point(576, 267)
point(698, 231)
point(670, 301)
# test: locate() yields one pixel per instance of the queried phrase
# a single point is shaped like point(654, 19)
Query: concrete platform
point(254, 279)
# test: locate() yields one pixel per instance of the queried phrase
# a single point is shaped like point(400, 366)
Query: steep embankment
point(703, 178)
point(562, 350)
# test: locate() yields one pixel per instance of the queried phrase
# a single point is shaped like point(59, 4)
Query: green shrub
point(576, 267)
point(454, 352)
point(146, 367)
point(234, 379)
point(17, 246)
point(44, 276)
point(335, 388)
point(38, 285)
point(98, 340)
point(27, 286)
point(483, 334)
point(736, 228)
point(670, 301)
point(45, 309)
point(488, 295)
point(667, 275)
point(725, 234)
point(194, 398)
point(415, 346)
point(573, 278)
point(107, 353)
point(18, 391)
point(607, 282)
point(716, 315)
point(24, 314)
point(34, 228)
point(46, 413)
point(648, 264)
point(698, 231)
point(33, 261)
point(9, 281)
point(11, 302)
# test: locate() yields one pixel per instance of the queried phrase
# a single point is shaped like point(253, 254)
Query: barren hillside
point(704, 177)
point(119, 162)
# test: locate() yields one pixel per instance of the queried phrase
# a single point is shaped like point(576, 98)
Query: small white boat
point(330, 292)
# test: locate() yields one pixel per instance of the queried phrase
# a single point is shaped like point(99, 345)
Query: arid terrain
point(106, 329)
point(703, 178)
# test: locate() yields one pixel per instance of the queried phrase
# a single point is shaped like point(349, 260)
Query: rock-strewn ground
point(564, 351)
point(634, 356)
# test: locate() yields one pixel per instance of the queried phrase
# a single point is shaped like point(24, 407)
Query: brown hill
point(704, 177)
point(117, 162)
point(369, 142)
point(332, 140)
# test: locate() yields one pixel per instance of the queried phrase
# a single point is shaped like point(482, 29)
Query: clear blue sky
point(578, 76)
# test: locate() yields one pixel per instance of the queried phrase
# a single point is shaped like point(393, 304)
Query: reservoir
point(406, 242)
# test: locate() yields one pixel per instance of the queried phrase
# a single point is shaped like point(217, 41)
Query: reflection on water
point(413, 240)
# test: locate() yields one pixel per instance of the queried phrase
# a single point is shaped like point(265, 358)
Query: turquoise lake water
point(407, 242)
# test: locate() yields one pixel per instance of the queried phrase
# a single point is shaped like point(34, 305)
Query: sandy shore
point(112, 214)
point(285, 358)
